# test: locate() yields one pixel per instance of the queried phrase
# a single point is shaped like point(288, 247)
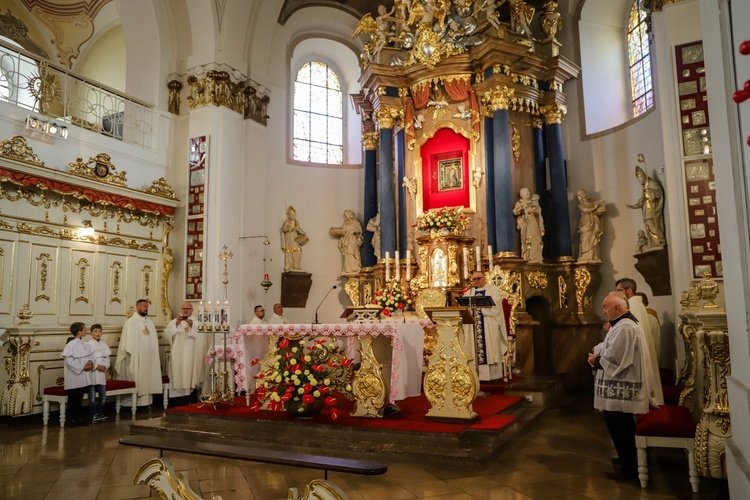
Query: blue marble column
point(489, 182)
point(386, 192)
point(560, 220)
point(502, 182)
point(370, 142)
point(540, 182)
point(402, 233)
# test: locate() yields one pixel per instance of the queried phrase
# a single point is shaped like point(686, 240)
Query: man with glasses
point(492, 335)
point(187, 368)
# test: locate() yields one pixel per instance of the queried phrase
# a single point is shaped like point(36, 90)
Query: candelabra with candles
point(213, 318)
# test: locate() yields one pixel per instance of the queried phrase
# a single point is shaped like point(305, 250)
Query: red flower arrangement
point(393, 298)
point(303, 372)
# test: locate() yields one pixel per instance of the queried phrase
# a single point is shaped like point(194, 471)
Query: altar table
point(407, 342)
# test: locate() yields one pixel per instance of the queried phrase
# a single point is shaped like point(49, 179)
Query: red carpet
point(410, 418)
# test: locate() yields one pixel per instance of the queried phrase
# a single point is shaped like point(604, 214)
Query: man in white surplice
point(187, 367)
point(491, 333)
point(628, 287)
point(260, 313)
point(278, 315)
point(138, 356)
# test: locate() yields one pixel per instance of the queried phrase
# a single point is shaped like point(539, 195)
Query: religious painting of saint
point(450, 175)
point(101, 170)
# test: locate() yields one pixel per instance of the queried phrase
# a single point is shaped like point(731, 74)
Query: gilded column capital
point(553, 113)
point(216, 88)
point(387, 116)
point(536, 122)
point(498, 97)
point(370, 141)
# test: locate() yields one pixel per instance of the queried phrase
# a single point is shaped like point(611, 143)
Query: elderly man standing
point(620, 388)
point(187, 367)
point(492, 335)
point(138, 355)
point(628, 287)
point(278, 315)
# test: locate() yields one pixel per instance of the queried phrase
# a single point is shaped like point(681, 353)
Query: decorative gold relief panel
point(116, 285)
point(148, 280)
point(82, 287)
point(43, 293)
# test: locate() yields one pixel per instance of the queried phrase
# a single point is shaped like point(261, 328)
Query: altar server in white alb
point(278, 316)
point(491, 332)
point(138, 356)
point(187, 367)
point(78, 358)
point(98, 386)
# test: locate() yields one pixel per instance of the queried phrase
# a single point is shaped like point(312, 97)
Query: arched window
point(639, 59)
point(318, 115)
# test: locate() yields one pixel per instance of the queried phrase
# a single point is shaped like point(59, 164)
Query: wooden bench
point(238, 452)
point(57, 394)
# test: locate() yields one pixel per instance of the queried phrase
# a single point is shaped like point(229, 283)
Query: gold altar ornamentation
point(18, 149)
point(582, 280)
point(352, 290)
point(318, 489)
point(709, 289)
point(167, 258)
point(99, 168)
point(44, 260)
point(159, 474)
point(161, 187)
point(39, 370)
point(537, 279)
point(422, 280)
point(367, 293)
point(498, 98)
point(44, 87)
point(386, 117)
point(562, 290)
point(516, 144)
point(550, 20)
point(429, 48)
point(146, 273)
point(536, 122)
point(216, 89)
point(368, 385)
point(115, 272)
point(689, 369)
point(370, 141)
point(435, 380)
point(553, 113)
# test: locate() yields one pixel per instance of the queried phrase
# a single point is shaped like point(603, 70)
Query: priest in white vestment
point(187, 367)
point(278, 316)
point(628, 287)
point(260, 313)
point(491, 332)
point(138, 356)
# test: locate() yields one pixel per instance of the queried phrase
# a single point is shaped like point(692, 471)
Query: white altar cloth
point(407, 343)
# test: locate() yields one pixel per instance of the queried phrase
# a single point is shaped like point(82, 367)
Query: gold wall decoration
point(562, 290)
point(81, 274)
point(515, 144)
point(14, 29)
point(256, 105)
point(18, 149)
point(367, 293)
point(161, 187)
point(43, 85)
point(537, 279)
point(388, 116)
point(146, 272)
point(43, 264)
point(216, 88)
point(99, 168)
point(368, 385)
point(115, 277)
point(5, 225)
point(174, 87)
point(498, 98)
point(582, 280)
point(167, 258)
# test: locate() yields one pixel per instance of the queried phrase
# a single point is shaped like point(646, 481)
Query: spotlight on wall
point(88, 228)
point(46, 127)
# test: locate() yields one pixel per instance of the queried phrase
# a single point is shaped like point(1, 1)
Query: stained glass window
point(318, 115)
point(639, 59)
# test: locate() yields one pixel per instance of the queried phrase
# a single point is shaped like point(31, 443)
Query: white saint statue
point(590, 227)
point(531, 225)
point(374, 227)
point(350, 234)
point(652, 208)
point(292, 239)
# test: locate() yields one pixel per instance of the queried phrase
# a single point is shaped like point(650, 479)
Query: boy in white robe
point(78, 359)
point(98, 385)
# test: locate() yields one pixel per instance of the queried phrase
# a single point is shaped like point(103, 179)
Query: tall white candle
point(209, 316)
point(398, 268)
point(479, 259)
point(201, 310)
point(489, 257)
point(387, 267)
point(226, 315)
point(408, 264)
point(466, 263)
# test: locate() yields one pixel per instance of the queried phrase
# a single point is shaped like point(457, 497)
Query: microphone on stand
point(316, 322)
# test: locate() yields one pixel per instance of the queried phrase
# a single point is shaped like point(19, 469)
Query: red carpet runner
point(410, 418)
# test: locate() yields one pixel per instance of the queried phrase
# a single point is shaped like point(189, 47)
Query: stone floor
point(563, 455)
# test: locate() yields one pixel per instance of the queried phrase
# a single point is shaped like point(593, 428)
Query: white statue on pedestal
point(652, 207)
point(350, 234)
point(531, 225)
point(373, 225)
point(590, 227)
point(292, 239)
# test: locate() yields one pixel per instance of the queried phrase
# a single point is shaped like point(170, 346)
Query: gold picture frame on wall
point(450, 174)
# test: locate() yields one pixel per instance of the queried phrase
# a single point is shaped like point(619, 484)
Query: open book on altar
point(476, 301)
